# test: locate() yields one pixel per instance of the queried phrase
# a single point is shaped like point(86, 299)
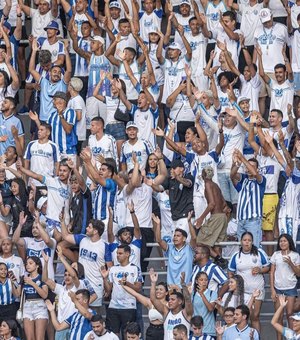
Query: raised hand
point(45, 257)
point(153, 275)
point(104, 272)
point(33, 116)
point(130, 206)
point(158, 132)
point(156, 219)
point(50, 306)
point(22, 217)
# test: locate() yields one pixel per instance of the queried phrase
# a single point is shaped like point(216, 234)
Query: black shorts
point(117, 319)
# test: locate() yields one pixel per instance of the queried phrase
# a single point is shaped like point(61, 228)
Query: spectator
point(196, 332)
point(180, 332)
point(99, 331)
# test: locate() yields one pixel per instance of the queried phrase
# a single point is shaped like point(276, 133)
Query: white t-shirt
point(14, 263)
point(270, 169)
point(77, 103)
point(65, 306)
point(35, 247)
point(56, 49)
point(39, 22)
point(120, 299)
point(281, 96)
point(271, 41)
point(142, 148)
point(250, 89)
point(285, 277)
point(106, 336)
point(277, 8)
point(198, 45)
point(42, 158)
point(295, 44)
point(182, 111)
point(142, 200)
point(111, 106)
point(295, 10)
point(250, 21)
point(184, 22)
point(287, 136)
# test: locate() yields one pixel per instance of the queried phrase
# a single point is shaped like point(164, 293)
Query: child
point(196, 329)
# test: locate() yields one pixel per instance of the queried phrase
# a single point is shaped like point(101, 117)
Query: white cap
point(114, 4)
point(265, 15)
point(41, 202)
point(174, 46)
point(98, 38)
point(242, 99)
point(131, 124)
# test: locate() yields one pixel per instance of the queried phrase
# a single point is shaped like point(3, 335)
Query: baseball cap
point(52, 25)
point(296, 316)
point(184, 2)
point(242, 99)
point(131, 124)
point(61, 95)
point(153, 29)
point(174, 46)
point(265, 15)
point(176, 163)
point(7, 25)
point(41, 202)
point(98, 38)
point(114, 4)
point(76, 83)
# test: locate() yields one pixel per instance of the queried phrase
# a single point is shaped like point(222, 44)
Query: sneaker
point(23, 111)
point(223, 263)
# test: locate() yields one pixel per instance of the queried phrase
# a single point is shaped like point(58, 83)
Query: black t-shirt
point(81, 211)
point(181, 197)
point(6, 193)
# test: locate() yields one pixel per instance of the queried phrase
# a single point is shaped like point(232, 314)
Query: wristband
point(19, 15)
point(221, 131)
point(132, 212)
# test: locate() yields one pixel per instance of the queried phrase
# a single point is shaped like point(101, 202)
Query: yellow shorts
point(270, 202)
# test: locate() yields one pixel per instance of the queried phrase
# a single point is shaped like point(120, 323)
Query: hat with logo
point(52, 25)
point(265, 15)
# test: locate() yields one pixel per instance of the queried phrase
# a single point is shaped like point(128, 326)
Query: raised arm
point(159, 306)
point(157, 233)
point(188, 305)
point(159, 132)
point(28, 172)
point(68, 71)
point(265, 77)
point(275, 322)
point(36, 76)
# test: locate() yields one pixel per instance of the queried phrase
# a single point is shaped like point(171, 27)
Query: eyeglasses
point(228, 315)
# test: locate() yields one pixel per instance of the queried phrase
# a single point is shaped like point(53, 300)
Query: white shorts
point(94, 108)
point(35, 309)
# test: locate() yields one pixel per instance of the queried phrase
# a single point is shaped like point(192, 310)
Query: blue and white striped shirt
point(251, 194)
point(104, 197)
point(6, 295)
point(79, 325)
point(66, 142)
point(81, 64)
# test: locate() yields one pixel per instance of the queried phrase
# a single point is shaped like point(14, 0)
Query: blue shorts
point(297, 81)
point(116, 130)
point(287, 292)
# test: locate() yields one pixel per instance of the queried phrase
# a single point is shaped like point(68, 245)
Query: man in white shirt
point(99, 331)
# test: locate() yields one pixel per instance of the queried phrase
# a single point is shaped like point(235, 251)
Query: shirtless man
point(214, 229)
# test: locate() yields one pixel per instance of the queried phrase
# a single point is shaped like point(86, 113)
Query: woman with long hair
point(203, 300)
point(155, 331)
point(285, 267)
point(35, 312)
point(251, 263)
point(9, 330)
point(9, 290)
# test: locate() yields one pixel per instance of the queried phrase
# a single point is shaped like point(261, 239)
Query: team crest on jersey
point(278, 92)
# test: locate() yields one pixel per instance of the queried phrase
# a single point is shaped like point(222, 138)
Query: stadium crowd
point(175, 123)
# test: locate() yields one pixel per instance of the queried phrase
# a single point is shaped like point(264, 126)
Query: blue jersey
point(79, 325)
point(81, 64)
point(48, 89)
point(30, 292)
point(104, 197)
point(6, 124)
point(97, 64)
point(66, 141)
point(6, 295)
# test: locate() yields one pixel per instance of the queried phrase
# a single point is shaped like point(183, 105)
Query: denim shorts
point(287, 292)
point(116, 130)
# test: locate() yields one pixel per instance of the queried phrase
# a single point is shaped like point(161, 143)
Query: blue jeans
point(62, 335)
point(229, 192)
point(253, 226)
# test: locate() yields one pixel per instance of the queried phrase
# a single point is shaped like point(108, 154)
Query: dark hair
point(123, 21)
point(63, 162)
point(183, 232)
point(197, 321)
point(131, 171)
point(178, 295)
point(279, 112)
point(23, 193)
point(6, 81)
point(98, 225)
point(165, 285)
point(79, 271)
point(245, 310)
point(254, 160)
point(125, 247)
point(228, 75)
point(298, 17)
point(229, 309)
point(133, 328)
point(85, 293)
point(254, 250)
point(196, 278)
point(193, 129)
point(132, 50)
point(12, 325)
point(290, 241)
point(38, 262)
point(46, 125)
point(147, 167)
point(122, 84)
point(191, 19)
point(239, 289)
point(86, 22)
point(277, 66)
point(111, 165)
point(205, 249)
point(96, 318)
point(12, 100)
point(181, 328)
point(98, 119)
point(254, 65)
point(230, 14)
